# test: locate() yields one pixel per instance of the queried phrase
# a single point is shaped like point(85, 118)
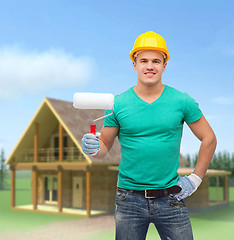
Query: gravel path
point(81, 229)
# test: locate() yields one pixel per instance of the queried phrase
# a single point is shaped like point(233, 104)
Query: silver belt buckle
point(146, 195)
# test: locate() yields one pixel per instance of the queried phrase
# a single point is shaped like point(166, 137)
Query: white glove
point(189, 185)
point(90, 143)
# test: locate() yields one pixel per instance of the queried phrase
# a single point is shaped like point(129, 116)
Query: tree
point(214, 162)
point(3, 170)
point(232, 164)
point(220, 161)
point(195, 159)
point(188, 158)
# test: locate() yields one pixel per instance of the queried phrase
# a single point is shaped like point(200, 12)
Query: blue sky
point(56, 48)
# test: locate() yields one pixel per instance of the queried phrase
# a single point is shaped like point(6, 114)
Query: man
point(148, 120)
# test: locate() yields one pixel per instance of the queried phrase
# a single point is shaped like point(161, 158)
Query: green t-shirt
point(150, 137)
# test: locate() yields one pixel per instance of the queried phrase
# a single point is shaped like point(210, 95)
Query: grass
point(216, 193)
point(23, 221)
point(215, 224)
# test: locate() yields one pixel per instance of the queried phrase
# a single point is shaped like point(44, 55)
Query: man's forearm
point(205, 155)
point(102, 152)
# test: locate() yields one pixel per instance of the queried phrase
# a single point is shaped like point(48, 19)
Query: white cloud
point(224, 100)
point(31, 72)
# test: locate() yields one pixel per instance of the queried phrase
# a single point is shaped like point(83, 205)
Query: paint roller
point(94, 101)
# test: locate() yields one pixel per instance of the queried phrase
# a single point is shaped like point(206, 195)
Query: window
point(56, 148)
point(50, 189)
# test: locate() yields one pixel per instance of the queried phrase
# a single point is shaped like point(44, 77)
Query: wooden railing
point(52, 155)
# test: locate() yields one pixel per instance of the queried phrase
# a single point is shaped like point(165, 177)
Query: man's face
point(149, 67)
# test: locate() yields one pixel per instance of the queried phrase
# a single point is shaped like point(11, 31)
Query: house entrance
point(77, 195)
point(50, 189)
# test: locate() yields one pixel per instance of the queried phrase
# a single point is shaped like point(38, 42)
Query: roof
point(209, 172)
point(76, 123)
point(184, 171)
point(182, 161)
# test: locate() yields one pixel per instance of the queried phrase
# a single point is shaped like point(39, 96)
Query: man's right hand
point(90, 144)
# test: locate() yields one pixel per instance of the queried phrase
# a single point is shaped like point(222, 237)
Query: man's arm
point(205, 134)
point(107, 138)
point(202, 130)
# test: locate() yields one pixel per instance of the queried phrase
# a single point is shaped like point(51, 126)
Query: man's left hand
point(189, 185)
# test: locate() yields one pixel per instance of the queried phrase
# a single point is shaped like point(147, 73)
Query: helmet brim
point(132, 53)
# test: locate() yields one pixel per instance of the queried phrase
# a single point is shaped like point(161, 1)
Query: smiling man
point(148, 120)
point(149, 66)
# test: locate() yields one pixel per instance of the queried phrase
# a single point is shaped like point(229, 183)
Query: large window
point(56, 148)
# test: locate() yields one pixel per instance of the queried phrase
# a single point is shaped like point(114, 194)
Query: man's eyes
point(156, 61)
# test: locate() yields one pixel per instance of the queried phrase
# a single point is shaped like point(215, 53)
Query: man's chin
point(151, 83)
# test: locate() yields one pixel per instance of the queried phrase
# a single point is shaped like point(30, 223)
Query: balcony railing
point(52, 155)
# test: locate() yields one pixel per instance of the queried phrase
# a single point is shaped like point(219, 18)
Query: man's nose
point(150, 65)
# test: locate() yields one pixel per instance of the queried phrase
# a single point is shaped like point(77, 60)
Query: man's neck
point(149, 91)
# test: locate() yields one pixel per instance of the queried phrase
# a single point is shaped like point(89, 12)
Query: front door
point(50, 189)
point(77, 195)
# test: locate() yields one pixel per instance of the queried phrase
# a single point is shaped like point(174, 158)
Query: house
point(63, 178)
point(212, 193)
point(66, 181)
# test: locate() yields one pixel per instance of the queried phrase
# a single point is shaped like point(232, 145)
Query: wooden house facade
point(65, 180)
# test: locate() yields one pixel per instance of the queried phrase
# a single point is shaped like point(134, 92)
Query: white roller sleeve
point(93, 100)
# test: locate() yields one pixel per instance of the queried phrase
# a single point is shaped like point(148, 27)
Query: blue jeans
point(134, 213)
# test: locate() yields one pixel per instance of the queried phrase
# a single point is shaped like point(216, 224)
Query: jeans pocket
point(121, 195)
point(176, 203)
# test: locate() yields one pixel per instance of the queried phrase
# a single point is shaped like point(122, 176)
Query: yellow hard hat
point(150, 41)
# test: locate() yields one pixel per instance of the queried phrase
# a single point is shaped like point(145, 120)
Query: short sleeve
point(111, 120)
point(192, 111)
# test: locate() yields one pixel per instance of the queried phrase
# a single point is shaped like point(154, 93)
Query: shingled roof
point(78, 123)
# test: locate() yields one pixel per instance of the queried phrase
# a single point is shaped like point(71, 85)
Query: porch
point(55, 210)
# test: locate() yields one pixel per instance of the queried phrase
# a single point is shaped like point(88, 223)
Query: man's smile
point(149, 74)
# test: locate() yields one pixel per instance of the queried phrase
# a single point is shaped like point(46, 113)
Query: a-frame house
point(64, 179)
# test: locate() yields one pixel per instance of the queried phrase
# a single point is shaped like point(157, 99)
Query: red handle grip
point(93, 129)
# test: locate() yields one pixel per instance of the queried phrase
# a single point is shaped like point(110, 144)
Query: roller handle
point(93, 129)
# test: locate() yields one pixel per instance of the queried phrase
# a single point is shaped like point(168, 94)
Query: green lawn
point(23, 221)
point(214, 225)
point(216, 193)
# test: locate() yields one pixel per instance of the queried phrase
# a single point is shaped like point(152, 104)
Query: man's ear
point(134, 64)
point(165, 64)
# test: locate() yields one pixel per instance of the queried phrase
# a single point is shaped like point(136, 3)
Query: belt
point(154, 193)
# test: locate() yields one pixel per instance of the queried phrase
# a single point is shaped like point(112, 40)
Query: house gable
point(48, 124)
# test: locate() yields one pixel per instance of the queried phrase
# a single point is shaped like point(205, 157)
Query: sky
point(56, 48)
